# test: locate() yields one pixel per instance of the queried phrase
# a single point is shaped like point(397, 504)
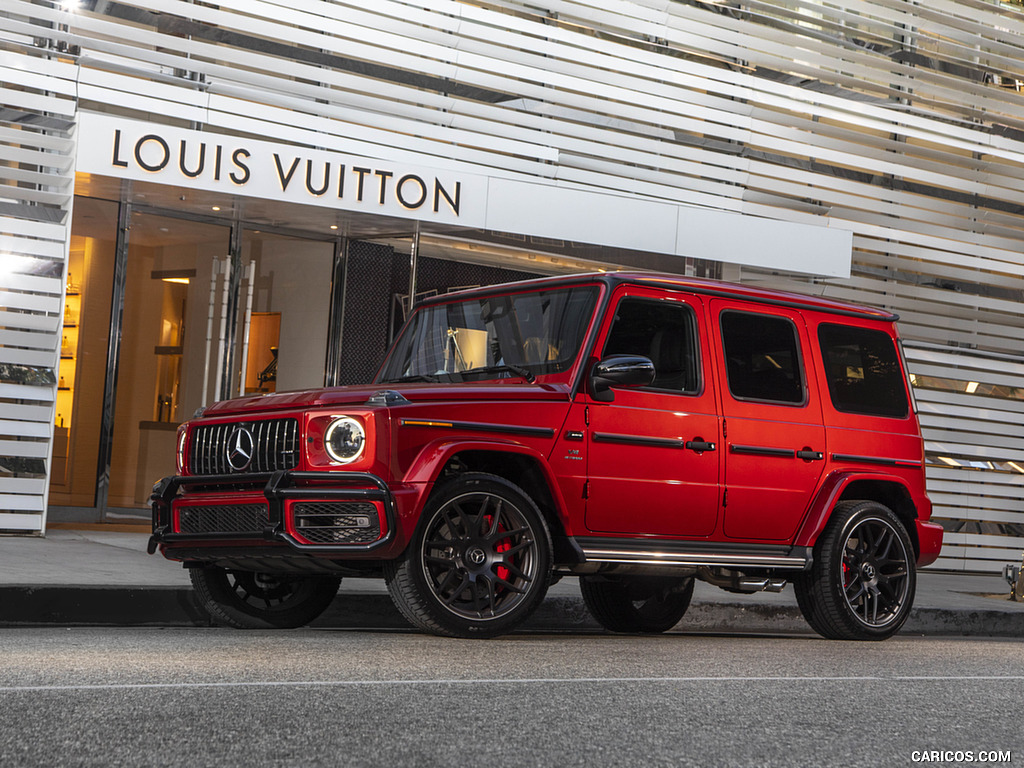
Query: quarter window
point(664, 331)
point(762, 358)
point(863, 371)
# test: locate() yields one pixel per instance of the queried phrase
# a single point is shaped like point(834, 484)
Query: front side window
point(863, 371)
point(494, 337)
point(762, 358)
point(665, 332)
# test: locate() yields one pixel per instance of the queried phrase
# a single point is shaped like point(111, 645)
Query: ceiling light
point(173, 275)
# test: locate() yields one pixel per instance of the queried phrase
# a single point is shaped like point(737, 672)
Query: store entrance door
point(165, 356)
point(174, 314)
point(208, 317)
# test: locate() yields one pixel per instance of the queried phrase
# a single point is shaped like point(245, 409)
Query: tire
point(479, 562)
point(637, 605)
point(862, 583)
point(247, 600)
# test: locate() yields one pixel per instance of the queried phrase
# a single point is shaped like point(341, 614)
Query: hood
point(415, 393)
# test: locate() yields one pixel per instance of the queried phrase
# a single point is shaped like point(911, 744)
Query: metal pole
point(414, 253)
point(226, 375)
point(250, 279)
point(219, 392)
point(336, 328)
point(124, 217)
point(214, 271)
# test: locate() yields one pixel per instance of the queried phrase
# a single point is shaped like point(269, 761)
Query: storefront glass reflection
point(190, 332)
point(164, 349)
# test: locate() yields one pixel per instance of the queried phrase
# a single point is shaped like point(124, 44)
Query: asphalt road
point(211, 697)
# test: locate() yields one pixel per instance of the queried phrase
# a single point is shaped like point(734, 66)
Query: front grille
point(228, 518)
point(337, 522)
point(274, 446)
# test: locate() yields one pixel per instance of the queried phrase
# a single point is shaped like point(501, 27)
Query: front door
point(654, 458)
point(774, 438)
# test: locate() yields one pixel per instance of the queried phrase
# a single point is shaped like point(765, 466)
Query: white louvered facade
point(900, 123)
point(37, 158)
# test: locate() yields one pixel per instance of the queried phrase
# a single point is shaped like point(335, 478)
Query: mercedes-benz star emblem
point(240, 448)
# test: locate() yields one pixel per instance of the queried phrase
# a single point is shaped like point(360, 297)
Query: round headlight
point(344, 439)
point(182, 432)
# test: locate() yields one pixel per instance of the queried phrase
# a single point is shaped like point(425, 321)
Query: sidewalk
point(101, 575)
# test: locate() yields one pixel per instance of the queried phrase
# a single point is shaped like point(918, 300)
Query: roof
point(672, 282)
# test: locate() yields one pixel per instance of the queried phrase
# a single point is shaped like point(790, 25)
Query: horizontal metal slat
point(24, 522)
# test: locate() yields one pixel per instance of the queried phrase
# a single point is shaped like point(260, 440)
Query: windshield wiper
point(415, 377)
point(521, 372)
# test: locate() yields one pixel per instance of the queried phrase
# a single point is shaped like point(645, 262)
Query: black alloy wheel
point(248, 600)
point(479, 562)
point(862, 583)
point(637, 604)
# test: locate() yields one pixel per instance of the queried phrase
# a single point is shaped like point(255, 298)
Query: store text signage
point(164, 154)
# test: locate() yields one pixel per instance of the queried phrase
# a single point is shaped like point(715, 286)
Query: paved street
point(192, 696)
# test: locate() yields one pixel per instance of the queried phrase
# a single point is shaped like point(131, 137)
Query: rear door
point(653, 464)
point(774, 437)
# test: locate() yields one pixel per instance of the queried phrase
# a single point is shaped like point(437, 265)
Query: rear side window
point(663, 331)
point(762, 358)
point(863, 371)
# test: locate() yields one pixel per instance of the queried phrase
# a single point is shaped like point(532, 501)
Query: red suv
point(638, 431)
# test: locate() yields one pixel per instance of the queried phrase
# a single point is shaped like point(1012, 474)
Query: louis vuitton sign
point(113, 146)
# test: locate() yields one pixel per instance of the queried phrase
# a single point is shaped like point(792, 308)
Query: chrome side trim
point(694, 559)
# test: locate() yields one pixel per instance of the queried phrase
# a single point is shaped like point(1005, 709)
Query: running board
point(665, 553)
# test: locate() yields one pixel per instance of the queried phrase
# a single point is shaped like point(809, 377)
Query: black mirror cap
point(620, 371)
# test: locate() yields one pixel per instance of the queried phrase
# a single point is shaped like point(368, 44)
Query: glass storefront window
point(177, 352)
point(283, 321)
point(164, 351)
point(83, 353)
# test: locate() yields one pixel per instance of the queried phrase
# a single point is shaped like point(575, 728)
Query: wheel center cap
point(869, 571)
point(476, 556)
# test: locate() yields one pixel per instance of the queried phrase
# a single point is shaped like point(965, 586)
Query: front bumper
point(277, 491)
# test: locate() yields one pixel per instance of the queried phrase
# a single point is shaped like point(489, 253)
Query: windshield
point(513, 335)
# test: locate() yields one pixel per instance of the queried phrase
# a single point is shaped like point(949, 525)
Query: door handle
point(699, 446)
point(808, 455)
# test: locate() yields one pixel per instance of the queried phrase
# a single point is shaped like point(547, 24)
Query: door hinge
point(586, 415)
point(586, 489)
point(725, 498)
point(725, 429)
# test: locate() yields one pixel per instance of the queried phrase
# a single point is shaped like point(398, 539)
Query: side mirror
point(619, 371)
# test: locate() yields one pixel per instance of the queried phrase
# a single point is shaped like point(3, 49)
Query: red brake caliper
point(504, 546)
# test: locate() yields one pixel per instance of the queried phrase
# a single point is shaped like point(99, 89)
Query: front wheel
point(639, 605)
point(862, 583)
point(248, 600)
point(479, 562)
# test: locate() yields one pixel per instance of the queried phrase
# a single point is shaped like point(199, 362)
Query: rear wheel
point(248, 600)
point(862, 583)
point(636, 604)
point(479, 562)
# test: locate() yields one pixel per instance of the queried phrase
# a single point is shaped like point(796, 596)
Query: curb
point(178, 607)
